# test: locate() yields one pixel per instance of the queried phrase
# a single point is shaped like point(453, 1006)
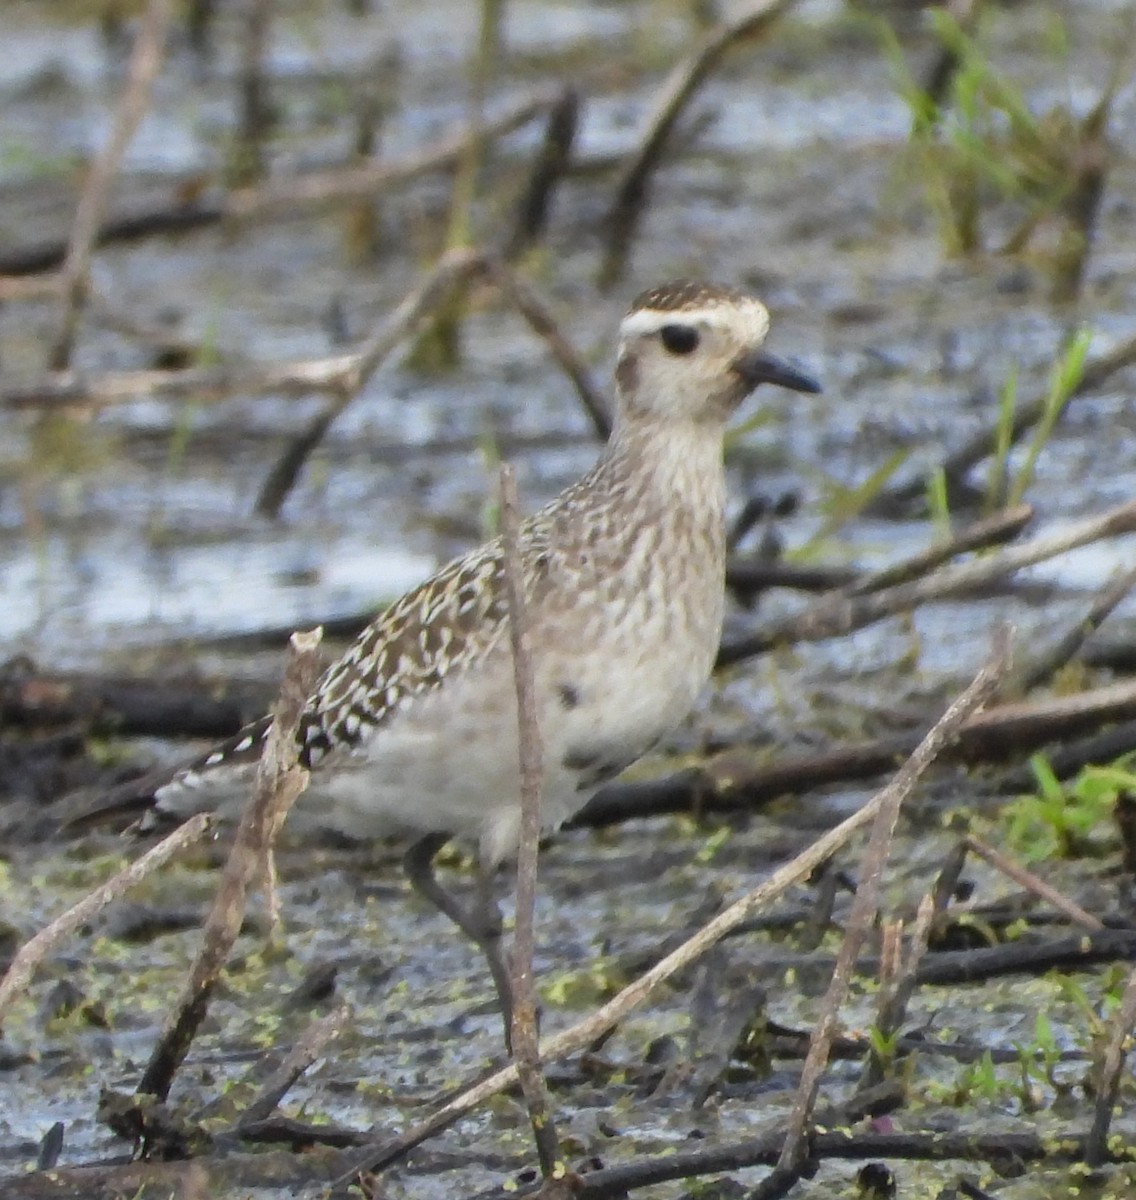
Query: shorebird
point(414, 729)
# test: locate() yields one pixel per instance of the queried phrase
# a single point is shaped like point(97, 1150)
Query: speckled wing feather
point(446, 623)
point(441, 626)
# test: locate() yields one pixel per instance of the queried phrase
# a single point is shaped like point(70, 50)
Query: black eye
point(679, 339)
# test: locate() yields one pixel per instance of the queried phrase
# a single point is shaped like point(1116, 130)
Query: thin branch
point(990, 531)
point(33, 952)
point(143, 69)
point(959, 462)
point(1032, 883)
point(314, 189)
point(279, 780)
point(676, 94)
point(524, 1038)
point(1050, 661)
point(551, 165)
point(357, 368)
point(308, 1047)
point(865, 904)
point(836, 615)
point(1108, 1087)
point(538, 313)
point(736, 779)
point(297, 195)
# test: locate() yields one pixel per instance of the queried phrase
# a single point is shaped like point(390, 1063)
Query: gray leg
point(481, 922)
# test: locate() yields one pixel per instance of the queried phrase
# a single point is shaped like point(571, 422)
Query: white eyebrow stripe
point(650, 320)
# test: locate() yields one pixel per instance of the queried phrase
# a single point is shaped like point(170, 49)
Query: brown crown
point(682, 294)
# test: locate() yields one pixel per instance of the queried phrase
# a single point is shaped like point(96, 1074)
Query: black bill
point(764, 368)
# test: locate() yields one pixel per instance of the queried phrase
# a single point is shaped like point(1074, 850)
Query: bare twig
point(1033, 883)
point(276, 198)
point(894, 996)
point(982, 444)
point(144, 63)
point(752, 574)
point(1108, 1087)
point(343, 376)
point(356, 368)
point(865, 903)
point(255, 115)
point(636, 993)
point(524, 1038)
point(1047, 664)
point(33, 287)
point(551, 164)
point(308, 1047)
point(33, 952)
point(676, 93)
point(833, 616)
point(316, 189)
point(990, 531)
point(736, 779)
point(279, 780)
point(944, 66)
point(537, 312)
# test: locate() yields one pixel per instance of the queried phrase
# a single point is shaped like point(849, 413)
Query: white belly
point(449, 759)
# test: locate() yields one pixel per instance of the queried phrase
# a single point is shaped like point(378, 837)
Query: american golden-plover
point(414, 729)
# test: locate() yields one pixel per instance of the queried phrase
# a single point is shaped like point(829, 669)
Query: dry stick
point(34, 951)
point(865, 904)
point(308, 1047)
point(982, 444)
point(552, 163)
point(340, 374)
point(1081, 207)
point(1096, 1147)
point(1066, 648)
point(455, 267)
point(145, 60)
point(636, 993)
point(279, 780)
point(734, 780)
point(538, 313)
point(750, 574)
point(990, 531)
point(34, 287)
point(315, 189)
point(1032, 883)
point(683, 82)
point(255, 115)
point(279, 198)
point(524, 1039)
point(945, 64)
point(356, 368)
point(892, 1002)
point(834, 616)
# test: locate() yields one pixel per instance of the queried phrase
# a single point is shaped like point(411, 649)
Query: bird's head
point(693, 352)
